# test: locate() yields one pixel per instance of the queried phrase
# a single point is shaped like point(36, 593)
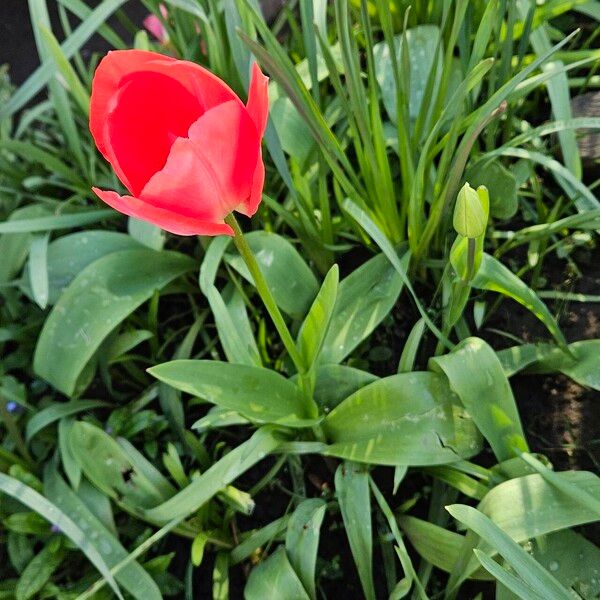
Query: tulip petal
point(258, 99)
point(167, 220)
point(187, 185)
point(118, 68)
point(249, 207)
point(227, 138)
point(151, 111)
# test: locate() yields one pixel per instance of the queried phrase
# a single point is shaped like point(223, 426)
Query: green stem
point(265, 293)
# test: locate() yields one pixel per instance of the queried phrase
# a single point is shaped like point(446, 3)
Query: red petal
point(167, 220)
point(227, 139)
point(160, 110)
point(187, 185)
point(151, 112)
point(249, 207)
point(258, 99)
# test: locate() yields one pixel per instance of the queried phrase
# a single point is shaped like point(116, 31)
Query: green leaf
point(501, 185)
point(258, 538)
point(38, 269)
point(30, 498)
point(145, 233)
point(116, 470)
point(407, 419)
point(98, 299)
point(132, 577)
point(57, 410)
point(289, 278)
point(364, 299)
point(352, 490)
point(583, 366)
point(421, 47)
point(316, 324)
point(261, 395)
point(220, 475)
point(14, 247)
point(530, 571)
point(435, 544)
point(506, 578)
point(275, 578)
point(334, 383)
point(70, 254)
point(542, 508)
point(65, 221)
point(474, 372)
point(38, 571)
point(302, 540)
point(229, 310)
point(571, 559)
point(493, 275)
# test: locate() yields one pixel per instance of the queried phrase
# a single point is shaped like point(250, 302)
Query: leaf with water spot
point(105, 293)
point(476, 376)
point(261, 395)
point(289, 278)
point(407, 419)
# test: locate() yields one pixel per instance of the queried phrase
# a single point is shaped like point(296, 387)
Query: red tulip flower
point(183, 144)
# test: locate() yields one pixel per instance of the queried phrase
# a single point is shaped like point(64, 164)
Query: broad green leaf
point(38, 269)
point(38, 571)
point(235, 332)
point(275, 578)
point(231, 318)
point(145, 233)
point(70, 254)
point(517, 358)
point(220, 475)
point(63, 221)
point(421, 45)
point(530, 571)
point(35, 501)
point(290, 280)
point(98, 299)
point(219, 417)
point(14, 247)
point(302, 540)
point(529, 506)
point(259, 394)
point(572, 559)
point(334, 383)
point(364, 299)
point(113, 470)
point(582, 365)
point(353, 494)
point(506, 578)
point(493, 275)
point(476, 376)
point(501, 185)
point(50, 414)
point(407, 419)
point(132, 577)
point(294, 134)
point(259, 538)
point(316, 324)
point(435, 544)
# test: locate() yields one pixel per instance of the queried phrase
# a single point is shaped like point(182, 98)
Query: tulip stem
point(265, 293)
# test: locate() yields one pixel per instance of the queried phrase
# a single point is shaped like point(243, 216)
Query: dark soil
point(560, 417)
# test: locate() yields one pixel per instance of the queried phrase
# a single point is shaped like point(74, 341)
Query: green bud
point(470, 216)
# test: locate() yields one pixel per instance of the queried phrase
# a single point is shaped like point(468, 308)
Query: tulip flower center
point(152, 110)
